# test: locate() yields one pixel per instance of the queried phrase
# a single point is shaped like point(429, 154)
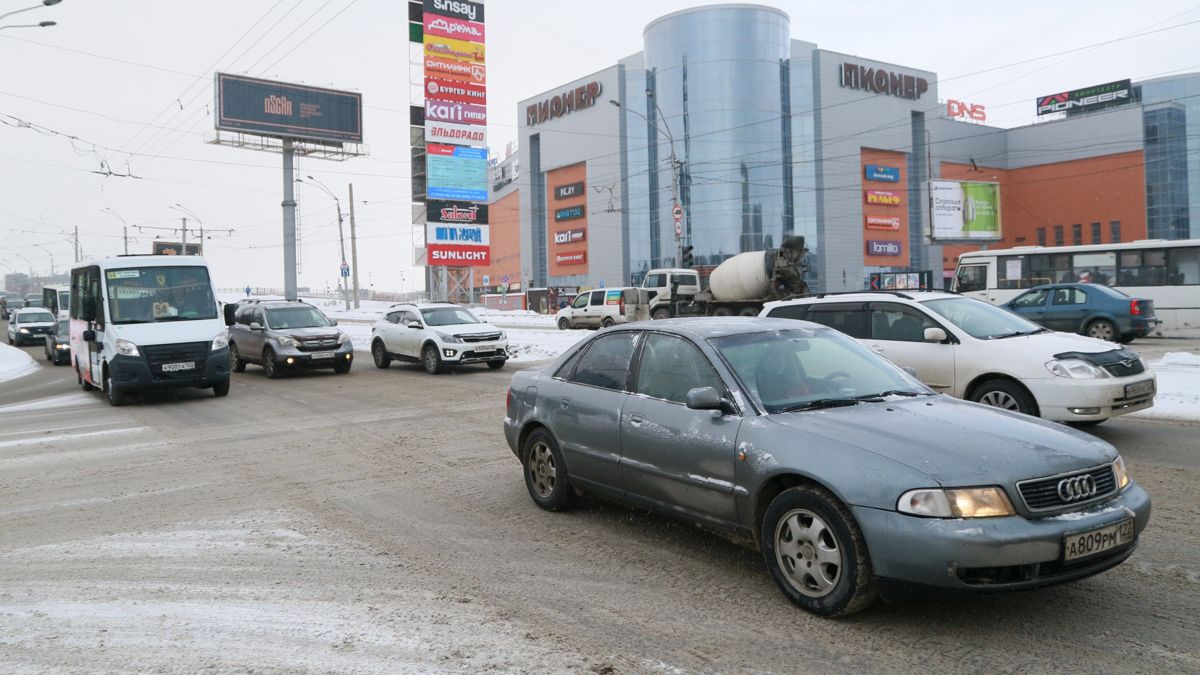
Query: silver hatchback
point(851, 477)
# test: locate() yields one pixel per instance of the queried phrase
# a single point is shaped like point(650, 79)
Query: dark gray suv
point(852, 478)
point(285, 336)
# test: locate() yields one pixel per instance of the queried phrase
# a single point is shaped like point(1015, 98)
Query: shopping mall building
point(758, 136)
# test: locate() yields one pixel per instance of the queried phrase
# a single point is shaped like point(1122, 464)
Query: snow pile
point(1178, 394)
point(14, 363)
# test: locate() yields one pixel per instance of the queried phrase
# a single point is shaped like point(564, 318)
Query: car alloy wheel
point(430, 360)
point(541, 470)
point(808, 553)
point(1005, 395)
point(382, 360)
point(270, 367)
point(564, 323)
point(235, 359)
point(545, 473)
point(1000, 399)
point(1103, 330)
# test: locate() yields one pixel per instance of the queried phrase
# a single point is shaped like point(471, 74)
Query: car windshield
point(63, 329)
point(448, 316)
point(35, 317)
point(802, 369)
point(284, 318)
point(152, 294)
point(981, 320)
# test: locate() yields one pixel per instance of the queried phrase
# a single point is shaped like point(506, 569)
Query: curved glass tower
point(716, 95)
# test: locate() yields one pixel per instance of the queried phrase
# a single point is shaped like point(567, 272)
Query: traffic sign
point(504, 279)
point(678, 228)
point(677, 212)
point(345, 270)
point(487, 281)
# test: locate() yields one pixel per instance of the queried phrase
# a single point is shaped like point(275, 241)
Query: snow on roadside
point(1178, 394)
point(15, 363)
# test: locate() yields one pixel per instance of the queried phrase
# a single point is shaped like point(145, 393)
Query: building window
point(1077, 234)
point(1041, 236)
point(1058, 235)
point(1095, 233)
point(1116, 231)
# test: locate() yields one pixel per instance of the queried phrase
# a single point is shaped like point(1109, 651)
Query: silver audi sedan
point(851, 477)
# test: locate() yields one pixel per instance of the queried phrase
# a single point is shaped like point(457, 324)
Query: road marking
point(70, 437)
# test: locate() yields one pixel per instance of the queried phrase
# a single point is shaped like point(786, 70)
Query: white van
point(147, 322)
point(57, 299)
point(604, 307)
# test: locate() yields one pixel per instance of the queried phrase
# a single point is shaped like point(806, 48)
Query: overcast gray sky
point(132, 83)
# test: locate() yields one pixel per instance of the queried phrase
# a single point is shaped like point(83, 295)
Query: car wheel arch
point(773, 486)
point(983, 379)
point(527, 431)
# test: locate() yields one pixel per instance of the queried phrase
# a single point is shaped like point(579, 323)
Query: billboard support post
point(353, 247)
point(289, 221)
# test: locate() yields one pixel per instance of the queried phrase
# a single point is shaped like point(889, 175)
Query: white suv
point(437, 335)
point(977, 351)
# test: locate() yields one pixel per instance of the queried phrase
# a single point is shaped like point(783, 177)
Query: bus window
point(971, 278)
point(1095, 268)
point(1185, 267)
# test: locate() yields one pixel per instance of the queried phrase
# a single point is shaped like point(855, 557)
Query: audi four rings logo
point(1076, 487)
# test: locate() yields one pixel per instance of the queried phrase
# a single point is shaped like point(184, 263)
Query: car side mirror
point(414, 324)
point(254, 325)
point(333, 322)
point(935, 334)
point(230, 310)
point(910, 370)
point(89, 336)
point(708, 398)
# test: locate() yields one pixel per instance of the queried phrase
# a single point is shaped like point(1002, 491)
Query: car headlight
point(62, 345)
point(1120, 473)
point(343, 338)
point(980, 502)
point(450, 339)
point(23, 330)
point(503, 335)
point(287, 341)
point(1076, 369)
point(221, 341)
point(126, 348)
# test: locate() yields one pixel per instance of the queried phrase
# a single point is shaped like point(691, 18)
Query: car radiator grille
point(1041, 494)
point(485, 337)
point(314, 344)
point(1125, 368)
point(157, 355)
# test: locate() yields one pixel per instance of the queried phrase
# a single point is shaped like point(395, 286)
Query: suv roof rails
point(800, 296)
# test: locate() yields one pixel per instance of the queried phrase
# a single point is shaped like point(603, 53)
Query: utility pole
point(353, 248)
point(125, 236)
point(184, 247)
point(76, 243)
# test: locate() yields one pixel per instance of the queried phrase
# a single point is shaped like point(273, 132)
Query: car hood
point(315, 331)
point(955, 442)
point(466, 329)
point(1051, 343)
point(36, 324)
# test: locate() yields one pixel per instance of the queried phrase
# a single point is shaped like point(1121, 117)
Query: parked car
point(285, 336)
point(436, 335)
point(604, 307)
point(58, 343)
point(29, 324)
point(970, 349)
point(1094, 310)
point(850, 476)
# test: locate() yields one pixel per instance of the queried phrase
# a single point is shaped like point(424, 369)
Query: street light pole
point(124, 225)
point(184, 209)
point(675, 164)
point(341, 238)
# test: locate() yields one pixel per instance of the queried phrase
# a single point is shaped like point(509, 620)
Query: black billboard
point(466, 213)
point(282, 110)
point(1099, 96)
point(174, 248)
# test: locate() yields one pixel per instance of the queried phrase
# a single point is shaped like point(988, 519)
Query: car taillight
point(508, 399)
point(621, 305)
point(1134, 309)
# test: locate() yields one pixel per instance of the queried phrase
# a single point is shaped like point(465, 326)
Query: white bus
point(147, 322)
point(1165, 271)
point(57, 299)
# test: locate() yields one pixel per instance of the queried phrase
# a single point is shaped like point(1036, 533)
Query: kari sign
point(459, 256)
point(457, 50)
point(444, 26)
point(455, 113)
point(887, 174)
point(965, 210)
point(570, 236)
point(575, 258)
point(470, 235)
point(883, 197)
point(883, 223)
point(440, 211)
point(888, 248)
point(459, 134)
point(449, 69)
point(456, 172)
point(455, 91)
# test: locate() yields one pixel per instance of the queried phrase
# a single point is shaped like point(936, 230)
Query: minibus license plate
point(176, 367)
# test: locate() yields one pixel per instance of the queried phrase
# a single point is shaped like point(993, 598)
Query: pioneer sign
point(880, 81)
point(583, 96)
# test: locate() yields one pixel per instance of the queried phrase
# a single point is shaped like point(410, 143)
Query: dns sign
point(971, 112)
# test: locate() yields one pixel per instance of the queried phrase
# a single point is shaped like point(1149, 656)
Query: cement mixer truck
point(737, 287)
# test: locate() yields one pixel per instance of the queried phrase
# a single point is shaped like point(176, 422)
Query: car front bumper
point(990, 555)
point(1065, 400)
point(133, 373)
point(474, 352)
point(292, 358)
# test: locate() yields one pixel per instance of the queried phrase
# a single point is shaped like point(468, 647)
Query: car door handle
point(636, 419)
point(564, 401)
point(877, 349)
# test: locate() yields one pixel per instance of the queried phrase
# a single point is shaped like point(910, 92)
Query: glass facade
point(719, 93)
point(1184, 92)
point(1166, 158)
